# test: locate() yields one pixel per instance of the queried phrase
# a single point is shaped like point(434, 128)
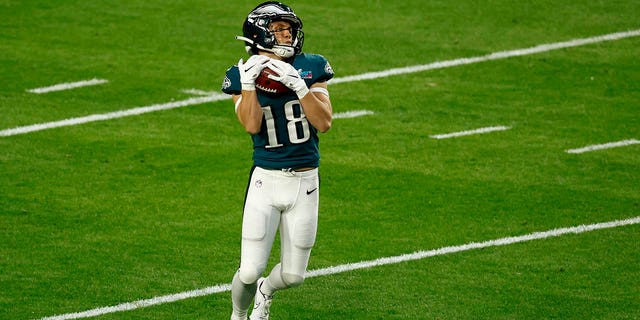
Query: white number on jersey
point(297, 127)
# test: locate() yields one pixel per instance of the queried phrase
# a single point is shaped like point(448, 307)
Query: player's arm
point(315, 100)
point(248, 111)
point(317, 106)
point(248, 107)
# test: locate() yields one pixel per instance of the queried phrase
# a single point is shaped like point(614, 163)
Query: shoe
point(261, 303)
point(234, 317)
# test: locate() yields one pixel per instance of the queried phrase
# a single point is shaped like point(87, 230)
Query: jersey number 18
point(297, 126)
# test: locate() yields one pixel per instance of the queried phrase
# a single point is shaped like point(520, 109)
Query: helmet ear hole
point(269, 40)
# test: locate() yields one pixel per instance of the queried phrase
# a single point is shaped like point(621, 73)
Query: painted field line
point(354, 266)
point(493, 56)
point(469, 132)
point(68, 86)
point(609, 145)
point(364, 76)
point(112, 115)
point(198, 92)
point(352, 114)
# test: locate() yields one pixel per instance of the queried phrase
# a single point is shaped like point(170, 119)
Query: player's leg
point(289, 272)
point(298, 229)
point(259, 227)
point(254, 258)
point(241, 296)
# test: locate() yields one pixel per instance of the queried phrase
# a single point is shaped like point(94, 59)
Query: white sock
point(241, 296)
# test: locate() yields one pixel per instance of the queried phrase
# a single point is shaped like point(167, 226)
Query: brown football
point(265, 84)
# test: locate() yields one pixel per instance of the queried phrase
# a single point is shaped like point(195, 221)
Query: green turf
point(133, 208)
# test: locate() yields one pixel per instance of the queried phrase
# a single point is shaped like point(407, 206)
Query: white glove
point(289, 76)
point(250, 70)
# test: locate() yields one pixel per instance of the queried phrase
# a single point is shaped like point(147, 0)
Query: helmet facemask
point(258, 37)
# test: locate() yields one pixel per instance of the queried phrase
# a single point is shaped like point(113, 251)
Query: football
point(265, 84)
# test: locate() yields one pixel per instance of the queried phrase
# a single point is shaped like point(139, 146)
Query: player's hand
point(250, 70)
point(289, 76)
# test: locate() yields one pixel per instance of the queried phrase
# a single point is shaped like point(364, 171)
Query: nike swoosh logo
point(311, 191)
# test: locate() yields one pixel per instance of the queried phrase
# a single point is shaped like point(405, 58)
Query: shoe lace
point(263, 306)
point(266, 304)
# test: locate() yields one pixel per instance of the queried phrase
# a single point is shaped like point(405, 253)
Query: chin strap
point(278, 50)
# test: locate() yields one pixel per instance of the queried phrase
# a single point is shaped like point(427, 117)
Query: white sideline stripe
point(353, 266)
point(492, 56)
point(68, 85)
point(352, 114)
point(364, 76)
point(469, 132)
point(609, 145)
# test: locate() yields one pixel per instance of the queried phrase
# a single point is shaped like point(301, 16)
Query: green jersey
point(286, 139)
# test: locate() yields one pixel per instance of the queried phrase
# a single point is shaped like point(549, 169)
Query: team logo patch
point(306, 74)
point(226, 83)
point(258, 183)
point(328, 69)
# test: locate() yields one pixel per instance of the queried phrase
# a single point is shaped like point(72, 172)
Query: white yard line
point(353, 266)
point(603, 146)
point(198, 92)
point(364, 76)
point(469, 132)
point(112, 115)
point(493, 56)
point(68, 86)
point(352, 114)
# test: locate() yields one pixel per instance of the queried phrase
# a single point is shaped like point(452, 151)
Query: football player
point(284, 185)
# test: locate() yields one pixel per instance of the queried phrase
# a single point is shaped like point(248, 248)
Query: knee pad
point(292, 280)
point(249, 275)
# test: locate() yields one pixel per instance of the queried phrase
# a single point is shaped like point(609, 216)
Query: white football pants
point(284, 199)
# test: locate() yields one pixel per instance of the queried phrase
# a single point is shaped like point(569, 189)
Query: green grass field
point(104, 213)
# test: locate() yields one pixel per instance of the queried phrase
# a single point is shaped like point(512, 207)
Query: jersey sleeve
point(231, 83)
point(322, 68)
point(313, 68)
